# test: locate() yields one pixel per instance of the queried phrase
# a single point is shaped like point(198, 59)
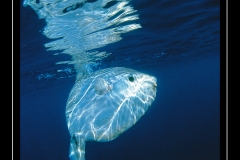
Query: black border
point(223, 70)
point(16, 79)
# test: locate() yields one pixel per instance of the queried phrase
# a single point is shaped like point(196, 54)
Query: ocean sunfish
point(105, 104)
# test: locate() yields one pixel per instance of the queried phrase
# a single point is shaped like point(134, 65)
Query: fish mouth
point(154, 84)
point(152, 80)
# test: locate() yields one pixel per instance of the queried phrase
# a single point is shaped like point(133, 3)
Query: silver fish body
point(105, 104)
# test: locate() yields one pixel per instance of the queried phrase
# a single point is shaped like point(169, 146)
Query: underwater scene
point(119, 80)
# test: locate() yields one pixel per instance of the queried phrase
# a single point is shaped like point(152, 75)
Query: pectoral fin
point(101, 86)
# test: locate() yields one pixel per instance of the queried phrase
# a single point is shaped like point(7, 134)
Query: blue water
point(179, 43)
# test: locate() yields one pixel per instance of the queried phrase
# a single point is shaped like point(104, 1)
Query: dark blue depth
point(178, 43)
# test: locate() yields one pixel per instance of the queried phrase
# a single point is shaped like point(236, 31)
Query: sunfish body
point(105, 104)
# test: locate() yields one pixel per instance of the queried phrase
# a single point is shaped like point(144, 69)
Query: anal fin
point(77, 149)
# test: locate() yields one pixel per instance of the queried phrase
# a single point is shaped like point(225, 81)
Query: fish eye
point(131, 79)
